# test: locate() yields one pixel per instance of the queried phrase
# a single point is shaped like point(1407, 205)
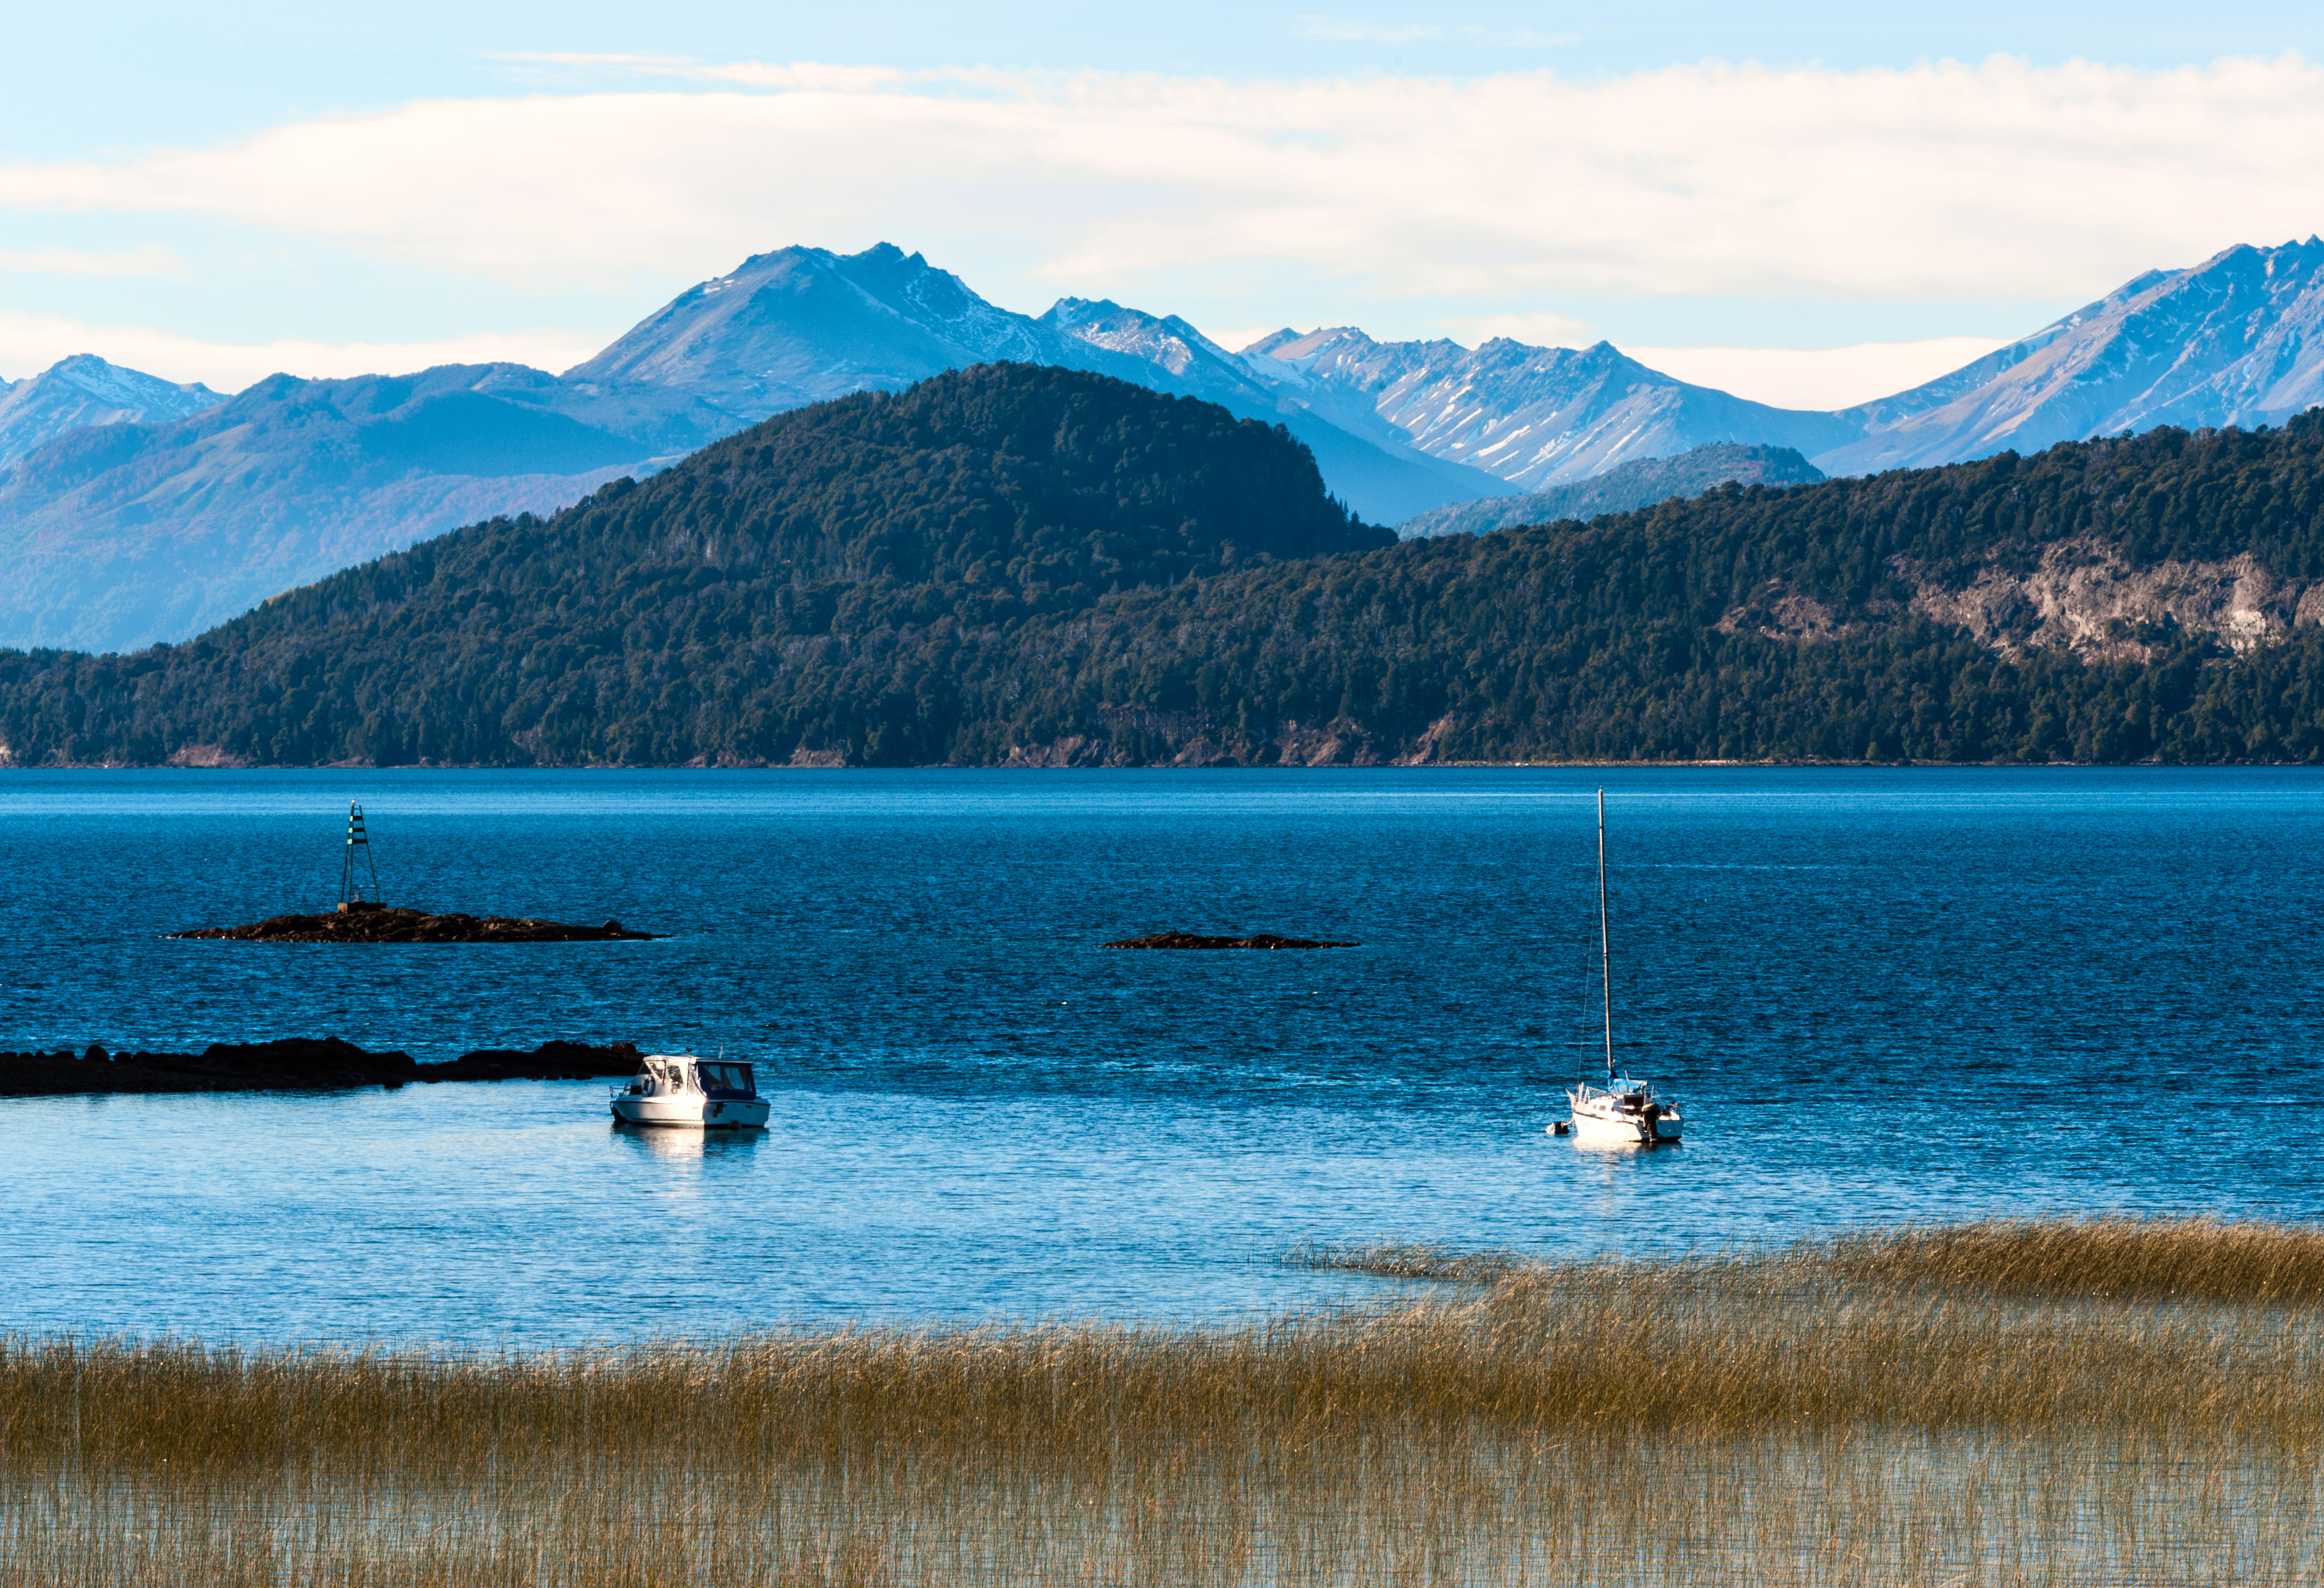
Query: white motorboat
point(1624, 1111)
point(690, 1093)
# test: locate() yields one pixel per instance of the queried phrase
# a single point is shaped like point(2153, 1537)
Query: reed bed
point(2120, 1256)
point(1933, 1410)
point(2195, 1259)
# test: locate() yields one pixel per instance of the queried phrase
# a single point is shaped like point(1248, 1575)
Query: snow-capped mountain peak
point(1164, 341)
point(1532, 417)
point(2237, 339)
point(86, 389)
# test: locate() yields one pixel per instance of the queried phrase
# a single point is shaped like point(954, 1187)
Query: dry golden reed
point(1924, 1405)
point(2192, 1259)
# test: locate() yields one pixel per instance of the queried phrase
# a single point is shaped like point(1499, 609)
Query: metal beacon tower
point(351, 886)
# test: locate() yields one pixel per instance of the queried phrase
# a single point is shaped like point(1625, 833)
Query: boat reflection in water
point(692, 1148)
point(683, 1091)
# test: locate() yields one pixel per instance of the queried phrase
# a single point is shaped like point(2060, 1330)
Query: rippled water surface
point(1880, 994)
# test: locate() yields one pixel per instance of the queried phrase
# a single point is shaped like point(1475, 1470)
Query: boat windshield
point(725, 1078)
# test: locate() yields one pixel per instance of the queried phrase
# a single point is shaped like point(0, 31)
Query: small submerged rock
point(377, 923)
point(1257, 940)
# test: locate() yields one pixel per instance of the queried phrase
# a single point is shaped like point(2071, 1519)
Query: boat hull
point(1589, 1124)
point(1623, 1134)
point(694, 1114)
point(1590, 1127)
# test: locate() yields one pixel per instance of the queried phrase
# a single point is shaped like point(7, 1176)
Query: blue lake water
point(1880, 994)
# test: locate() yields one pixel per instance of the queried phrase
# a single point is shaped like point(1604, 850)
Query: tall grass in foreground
point(1933, 1410)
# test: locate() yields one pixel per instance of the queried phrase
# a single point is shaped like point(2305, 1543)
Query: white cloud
point(2000, 180)
point(1822, 377)
point(147, 260)
point(30, 343)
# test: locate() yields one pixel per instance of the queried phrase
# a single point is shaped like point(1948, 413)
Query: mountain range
point(802, 325)
point(1016, 565)
point(1533, 417)
point(115, 535)
point(133, 511)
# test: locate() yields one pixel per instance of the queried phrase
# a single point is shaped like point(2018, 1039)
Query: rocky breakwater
point(1257, 940)
point(379, 923)
point(295, 1064)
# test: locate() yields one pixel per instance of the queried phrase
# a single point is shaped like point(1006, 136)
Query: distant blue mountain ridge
point(133, 510)
point(85, 390)
point(1625, 487)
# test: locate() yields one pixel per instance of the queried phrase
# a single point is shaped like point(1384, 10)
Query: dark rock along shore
point(1257, 940)
point(295, 1064)
point(380, 924)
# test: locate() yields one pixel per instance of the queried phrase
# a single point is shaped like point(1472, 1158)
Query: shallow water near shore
point(1881, 994)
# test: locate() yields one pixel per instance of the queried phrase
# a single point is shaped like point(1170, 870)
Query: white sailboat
point(1625, 1110)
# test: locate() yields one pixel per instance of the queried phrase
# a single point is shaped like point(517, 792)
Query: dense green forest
point(1018, 564)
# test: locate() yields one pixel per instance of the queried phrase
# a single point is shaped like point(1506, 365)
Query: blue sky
point(215, 194)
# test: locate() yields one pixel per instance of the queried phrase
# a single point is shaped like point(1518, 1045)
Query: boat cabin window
point(725, 1078)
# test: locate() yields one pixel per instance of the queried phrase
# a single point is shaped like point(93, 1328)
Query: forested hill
point(1014, 566)
point(642, 621)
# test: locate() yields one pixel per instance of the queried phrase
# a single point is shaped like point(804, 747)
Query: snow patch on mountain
point(2238, 340)
point(86, 389)
point(1532, 417)
point(806, 324)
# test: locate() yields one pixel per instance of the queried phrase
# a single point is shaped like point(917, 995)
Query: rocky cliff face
point(2083, 595)
point(2086, 597)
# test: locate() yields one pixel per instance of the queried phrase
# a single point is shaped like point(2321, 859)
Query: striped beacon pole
point(351, 887)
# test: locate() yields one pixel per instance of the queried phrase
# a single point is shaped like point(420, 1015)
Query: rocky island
point(1257, 940)
point(366, 922)
point(294, 1064)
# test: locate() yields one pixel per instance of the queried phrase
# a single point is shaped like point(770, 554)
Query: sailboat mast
point(1605, 947)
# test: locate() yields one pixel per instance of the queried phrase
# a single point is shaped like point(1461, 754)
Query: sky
point(1810, 205)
